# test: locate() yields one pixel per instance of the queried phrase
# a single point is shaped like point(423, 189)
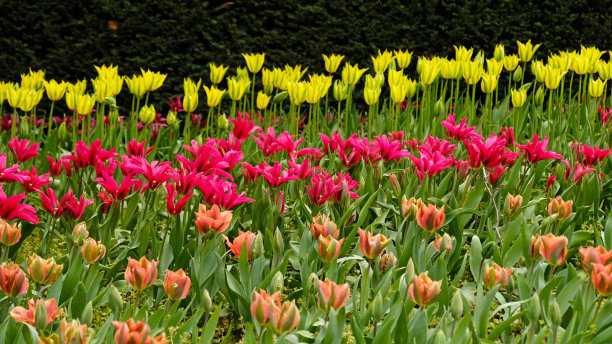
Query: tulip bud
point(555, 314)
point(9, 234)
point(512, 205)
point(409, 270)
point(350, 220)
point(439, 107)
point(403, 285)
point(312, 283)
point(24, 129)
point(443, 243)
point(378, 170)
point(172, 121)
point(553, 248)
point(44, 271)
point(72, 332)
point(539, 97)
point(260, 307)
point(280, 203)
point(93, 251)
point(329, 248)
point(284, 318)
point(206, 301)
point(387, 262)
point(79, 233)
point(322, 226)
point(496, 275)
point(279, 242)
point(332, 295)
point(114, 299)
point(222, 122)
point(378, 307)
point(257, 247)
point(176, 284)
point(534, 307)
point(277, 283)
point(518, 74)
point(534, 247)
point(424, 290)
point(440, 338)
point(62, 133)
point(558, 206)
point(147, 114)
point(430, 218)
point(602, 279)
point(395, 184)
point(40, 316)
point(13, 280)
point(87, 314)
point(456, 306)
point(499, 53)
point(141, 274)
point(410, 207)
point(372, 246)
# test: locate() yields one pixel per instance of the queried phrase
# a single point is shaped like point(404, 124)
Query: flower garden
point(464, 200)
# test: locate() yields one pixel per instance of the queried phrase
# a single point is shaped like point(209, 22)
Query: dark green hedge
point(179, 37)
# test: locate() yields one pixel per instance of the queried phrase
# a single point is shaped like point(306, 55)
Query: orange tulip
point(92, 251)
point(44, 271)
point(73, 332)
point(387, 262)
point(430, 218)
point(495, 274)
point(443, 243)
point(553, 248)
point(594, 255)
point(284, 318)
point(131, 332)
point(21, 314)
point(9, 234)
point(558, 206)
point(602, 279)
point(141, 274)
point(13, 280)
point(260, 307)
point(512, 204)
point(410, 207)
point(176, 284)
point(79, 233)
point(242, 237)
point(329, 248)
point(534, 247)
point(424, 290)
point(332, 295)
point(372, 246)
point(213, 219)
point(322, 226)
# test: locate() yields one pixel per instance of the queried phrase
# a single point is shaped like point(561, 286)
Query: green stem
point(50, 124)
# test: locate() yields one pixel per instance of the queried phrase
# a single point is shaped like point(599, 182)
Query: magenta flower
point(119, 192)
point(9, 174)
point(275, 175)
point(302, 171)
point(85, 156)
point(389, 150)
point(243, 128)
point(11, 209)
point(267, 142)
point(459, 131)
point(536, 150)
point(494, 175)
point(62, 164)
point(590, 155)
point(155, 172)
point(431, 165)
point(77, 208)
point(605, 115)
point(176, 105)
point(490, 153)
point(137, 149)
point(21, 150)
point(32, 181)
point(250, 172)
point(576, 173)
point(172, 206)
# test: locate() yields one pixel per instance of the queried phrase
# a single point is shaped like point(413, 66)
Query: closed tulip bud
point(13, 280)
point(206, 301)
point(440, 338)
point(499, 53)
point(456, 306)
point(177, 284)
point(594, 255)
point(323, 226)
point(555, 314)
point(558, 206)
point(279, 242)
point(278, 282)
point(602, 279)
point(73, 332)
point(254, 61)
point(552, 77)
point(511, 63)
point(147, 114)
point(430, 218)
point(439, 107)
point(340, 90)
point(262, 100)
point(222, 122)
point(329, 248)
point(212, 220)
point(87, 314)
point(172, 121)
point(387, 262)
point(534, 247)
point(409, 274)
point(131, 332)
point(494, 274)
point(539, 96)
point(371, 95)
point(85, 104)
point(141, 274)
point(332, 62)
point(284, 318)
point(517, 76)
point(332, 295)
point(217, 73)
point(378, 307)
point(190, 101)
point(44, 271)
point(62, 132)
point(424, 290)
point(430, 69)
point(114, 299)
point(410, 207)
point(93, 251)
point(9, 234)
point(261, 305)
point(553, 248)
point(55, 91)
point(596, 87)
point(518, 97)
point(512, 205)
point(257, 247)
point(40, 316)
point(534, 307)
point(443, 243)
point(79, 233)
point(395, 184)
point(372, 246)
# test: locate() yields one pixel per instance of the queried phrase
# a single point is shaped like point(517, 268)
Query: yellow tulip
point(332, 62)
point(31, 99)
point(294, 73)
point(55, 91)
point(101, 89)
point(526, 50)
point(402, 58)
point(561, 62)
point(537, 69)
point(16, 96)
point(323, 83)
point(71, 99)
point(494, 66)
point(236, 87)
point(580, 64)
point(267, 77)
point(152, 80)
point(399, 92)
point(382, 61)
point(596, 87)
point(518, 97)
point(604, 69)
point(510, 62)
point(4, 87)
point(109, 72)
point(213, 95)
point(371, 95)
point(190, 101)
point(136, 85)
point(189, 86)
point(429, 71)
point(552, 77)
point(411, 85)
point(217, 73)
point(147, 114)
point(351, 74)
point(340, 90)
point(593, 55)
point(297, 92)
point(85, 104)
point(312, 93)
point(78, 87)
point(114, 85)
point(243, 74)
point(472, 71)
point(488, 83)
point(32, 80)
point(394, 77)
point(499, 52)
point(450, 69)
point(254, 61)
point(262, 100)
point(280, 79)
point(462, 54)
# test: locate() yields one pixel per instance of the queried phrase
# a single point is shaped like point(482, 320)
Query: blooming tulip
point(558, 206)
point(329, 248)
point(217, 73)
point(602, 279)
point(332, 295)
point(28, 316)
point(495, 274)
point(410, 207)
point(177, 284)
point(213, 219)
point(152, 80)
point(323, 226)
point(424, 290)
point(443, 243)
point(526, 50)
point(73, 332)
point(9, 234)
point(93, 251)
point(131, 332)
point(13, 280)
point(332, 62)
point(594, 255)
point(44, 271)
point(284, 318)
point(430, 218)
point(553, 248)
point(243, 237)
point(141, 274)
point(254, 61)
point(372, 246)
point(260, 307)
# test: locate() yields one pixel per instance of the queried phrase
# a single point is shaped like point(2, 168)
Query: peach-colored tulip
point(242, 237)
point(92, 251)
point(213, 219)
point(141, 274)
point(387, 262)
point(13, 280)
point(79, 233)
point(443, 243)
point(558, 206)
point(73, 332)
point(602, 279)
point(161, 339)
point(132, 332)
point(332, 295)
point(372, 246)
point(329, 248)
point(553, 248)
point(423, 290)
point(594, 255)
point(44, 271)
point(430, 218)
point(495, 274)
point(284, 318)
point(534, 247)
point(322, 226)
point(21, 314)
point(512, 204)
point(260, 307)
point(176, 284)
point(9, 234)
point(410, 207)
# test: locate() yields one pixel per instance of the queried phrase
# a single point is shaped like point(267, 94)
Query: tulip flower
point(519, 97)
point(176, 284)
point(332, 62)
point(285, 317)
point(254, 61)
point(495, 274)
point(92, 251)
point(552, 77)
point(387, 262)
point(44, 271)
point(73, 332)
point(213, 219)
point(602, 279)
point(443, 243)
point(172, 206)
point(459, 131)
point(217, 73)
point(402, 58)
point(332, 295)
point(410, 207)
point(536, 150)
point(510, 62)
point(462, 53)
point(132, 332)
point(262, 302)
point(329, 248)
point(512, 204)
point(430, 218)
point(322, 226)
point(526, 50)
point(11, 209)
point(372, 246)
point(9, 234)
point(152, 80)
point(351, 74)
point(594, 255)
point(596, 87)
point(55, 91)
point(488, 82)
point(28, 316)
point(236, 246)
point(553, 248)
point(340, 90)
point(471, 71)
point(13, 280)
point(424, 290)
point(213, 95)
point(560, 207)
point(263, 100)
point(430, 69)
point(141, 274)
point(22, 150)
point(147, 114)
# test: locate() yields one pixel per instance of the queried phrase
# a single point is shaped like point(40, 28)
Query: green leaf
point(78, 301)
point(476, 257)
point(211, 326)
point(71, 281)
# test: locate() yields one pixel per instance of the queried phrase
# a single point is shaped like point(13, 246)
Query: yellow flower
point(552, 77)
point(297, 92)
point(429, 71)
point(371, 95)
point(382, 61)
point(322, 83)
point(243, 74)
point(593, 55)
point(189, 86)
point(217, 73)
point(136, 85)
point(31, 99)
point(579, 64)
point(101, 89)
point(262, 100)
point(596, 87)
point(526, 50)
point(213, 96)
point(561, 61)
point(499, 52)
point(55, 91)
point(4, 87)
point(488, 83)
point(351, 74)
point(402, 58)
point(152, 80)
point(85, 104)
point(393, 77)
point(412, 87)
point(450, 69)
point(462, 54)
point(494, 67)
point(254, 61)
point(537, 69)
point(109, 72)
point(147, 114)
point(267, 77)
point(72, 96)
point(332, 62)
point(280, 78)
point(78, 87)
point(399, 92)
point(472, 71)
point(519, 97)
point(312, 93)
point(605, 70)
point(340, 90)
point(510, 62)
point(294, 73)
point(15, 96)
point(114, 85)
point(237, 87)
point(32, 80)
point(190, 101)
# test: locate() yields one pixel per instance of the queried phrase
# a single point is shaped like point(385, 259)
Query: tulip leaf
point(78, 301)
point(483, 306)
point(506, 324)
point(357, 331)
point(476, 257)
point(71, 280)
point(386, 329)
point(211, 326)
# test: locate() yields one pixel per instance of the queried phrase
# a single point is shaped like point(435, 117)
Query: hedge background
point(180, 37)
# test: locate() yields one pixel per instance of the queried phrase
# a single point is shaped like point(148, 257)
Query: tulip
point(552, 77)
point(443, 243)
point(450, 69)
point(399, 92)
point(84, 104)
point(510, 62)
point(29, 316)
point(213, 96)
point(323, 226)
point(402, 58)
point(237, 87)
point(55, 91)
point(512, 205)
point(262, 100)
point(382, 61)
point(297, 92)
point(141, 274)
point(594, 255)
point(488, 83)
point(93, 251)
point(340, 90)
point(254, 61)
point(424, 290)
point(332, 62)
point(31, 99)
point(430, 69)
point(177, 284)
point(494, 274)
point(472, 71)
point(44, 271)
point(332, 295)
point(387, 262)
point(243, 237)
point(371, 95)
point(596, 87)
point(410, 207)
point(213, 219)
point(131, 332)
point(147, 114)
point(372, 246)
point(553, 248)
point(190, 101)
point(499, 52)
point(329, 248)
point(79, 232)
point(152, 80)
point(430, 218)
point(9, 234)
point(73, 332)
point(285, 317)
point(602, 279)
point(560, 207)
point(518, 97)
point(526, 50)
point(351, 74)
point(260, 307)
point(462, 53)
point(13, 280)
point(217, 73)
